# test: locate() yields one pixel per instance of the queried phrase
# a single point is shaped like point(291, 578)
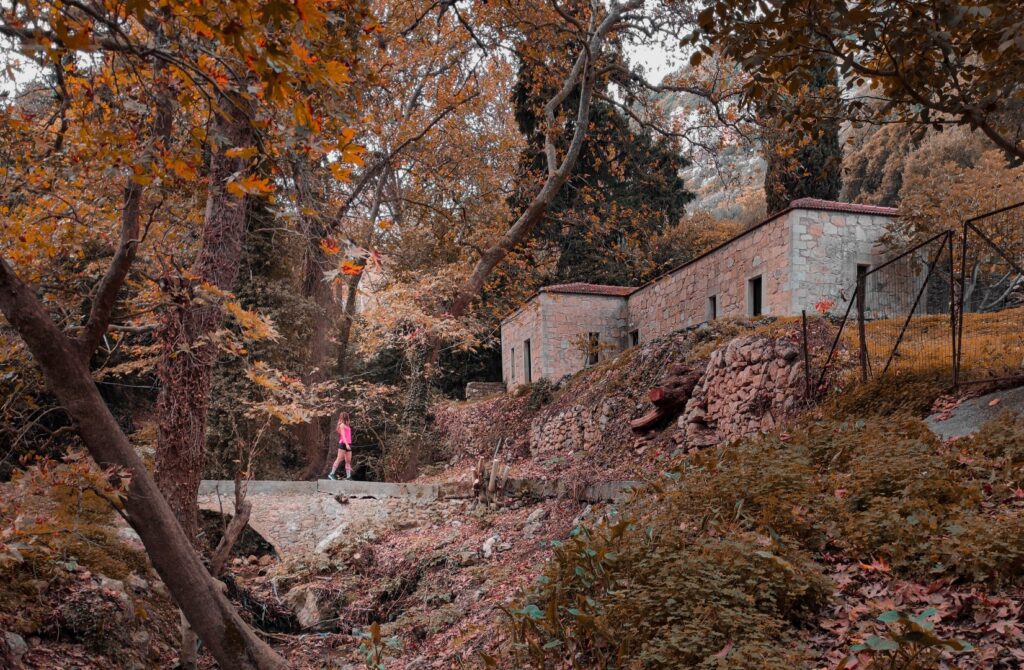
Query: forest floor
point(866, 512)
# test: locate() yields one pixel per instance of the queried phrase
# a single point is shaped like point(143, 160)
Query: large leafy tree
point(186, 105)
point(937, 63)
point(625, 190)
point(803, 156)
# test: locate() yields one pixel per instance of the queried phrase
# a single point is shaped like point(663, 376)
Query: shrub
point(989, 549)
point(659, 595)
point(761, 483)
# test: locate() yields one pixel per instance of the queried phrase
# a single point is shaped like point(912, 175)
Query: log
point(647, 421)
point(669, 398)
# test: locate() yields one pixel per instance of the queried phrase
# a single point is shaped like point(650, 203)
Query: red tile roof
point(832, 206)
point(590, 289)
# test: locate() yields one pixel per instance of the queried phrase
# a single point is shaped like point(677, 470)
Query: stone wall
point(567, 321)
point(557, 325)
point(748, 384)
point(515, 330)
point(680, 298)
point(826, 249)
point(481, 390)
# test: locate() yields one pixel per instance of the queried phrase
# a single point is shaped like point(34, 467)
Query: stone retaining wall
point(751, 384)
point(481, 390)
point(747, 387)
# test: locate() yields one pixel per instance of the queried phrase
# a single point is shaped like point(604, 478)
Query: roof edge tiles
point(834, 206)
point(590, 289)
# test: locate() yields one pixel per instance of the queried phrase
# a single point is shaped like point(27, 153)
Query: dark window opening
point(593, 348)
point(634, 338)
point(754, 296)
point(712, 312)
point(862, 272)
point(527, 368)
point(513, 363)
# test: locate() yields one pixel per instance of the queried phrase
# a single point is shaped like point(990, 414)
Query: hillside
point(843, 530)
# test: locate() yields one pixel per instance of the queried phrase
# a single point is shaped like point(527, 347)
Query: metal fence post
point(807, 358)
point(960, 310)
point(952, 309)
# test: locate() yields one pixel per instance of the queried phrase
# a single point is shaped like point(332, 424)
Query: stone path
point(972, 414)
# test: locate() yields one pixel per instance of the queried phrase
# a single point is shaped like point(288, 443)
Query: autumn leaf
point(340, 172)
point(183, 169)
point(241, 152)
point(338, 72)
point(330, 246)
point(251, 185)
point(351, 268)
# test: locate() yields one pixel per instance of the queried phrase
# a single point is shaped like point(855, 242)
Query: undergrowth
point(722, 564)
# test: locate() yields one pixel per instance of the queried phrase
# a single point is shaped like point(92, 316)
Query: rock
point(467, 558)
point(537, 515)
point(128, 534)
point(136, 583)
point(582, 515)
point(489, 545)
point(16, 645)
point(325, 545)
point(406, 523)
point(265, 560)
point(504, 546)
point(305, 602)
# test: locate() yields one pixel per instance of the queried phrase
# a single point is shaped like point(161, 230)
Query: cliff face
point(750, 378)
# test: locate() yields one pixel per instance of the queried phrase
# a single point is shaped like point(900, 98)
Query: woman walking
point(344, 430)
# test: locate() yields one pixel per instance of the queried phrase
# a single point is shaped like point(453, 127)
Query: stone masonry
point(798, 257)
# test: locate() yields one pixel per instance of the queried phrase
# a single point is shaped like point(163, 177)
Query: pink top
point(345, 434)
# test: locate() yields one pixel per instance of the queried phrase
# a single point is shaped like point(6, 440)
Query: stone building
point(811, 251)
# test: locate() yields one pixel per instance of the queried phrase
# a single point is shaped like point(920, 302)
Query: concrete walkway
point(301, 517)
point(350, 489)
point(972, 414)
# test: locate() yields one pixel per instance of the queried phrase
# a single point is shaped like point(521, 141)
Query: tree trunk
point(231, 642)
point(311, 434)
point(348, 318)
point(188, 357)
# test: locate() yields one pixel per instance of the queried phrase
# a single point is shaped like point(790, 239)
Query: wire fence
point(949, 308)
point(990, 311)
point(904, 312)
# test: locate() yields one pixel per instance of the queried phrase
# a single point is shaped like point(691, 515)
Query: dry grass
point(993, 345)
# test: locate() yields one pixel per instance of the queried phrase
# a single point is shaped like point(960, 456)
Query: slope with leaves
point(794, 544)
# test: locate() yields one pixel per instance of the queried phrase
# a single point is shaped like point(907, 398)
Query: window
point(593, 348)
point(634, 338)
point(754, 297)
point(513, 363)
point(712, 310)
point(862, 272)
point(527, 368)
